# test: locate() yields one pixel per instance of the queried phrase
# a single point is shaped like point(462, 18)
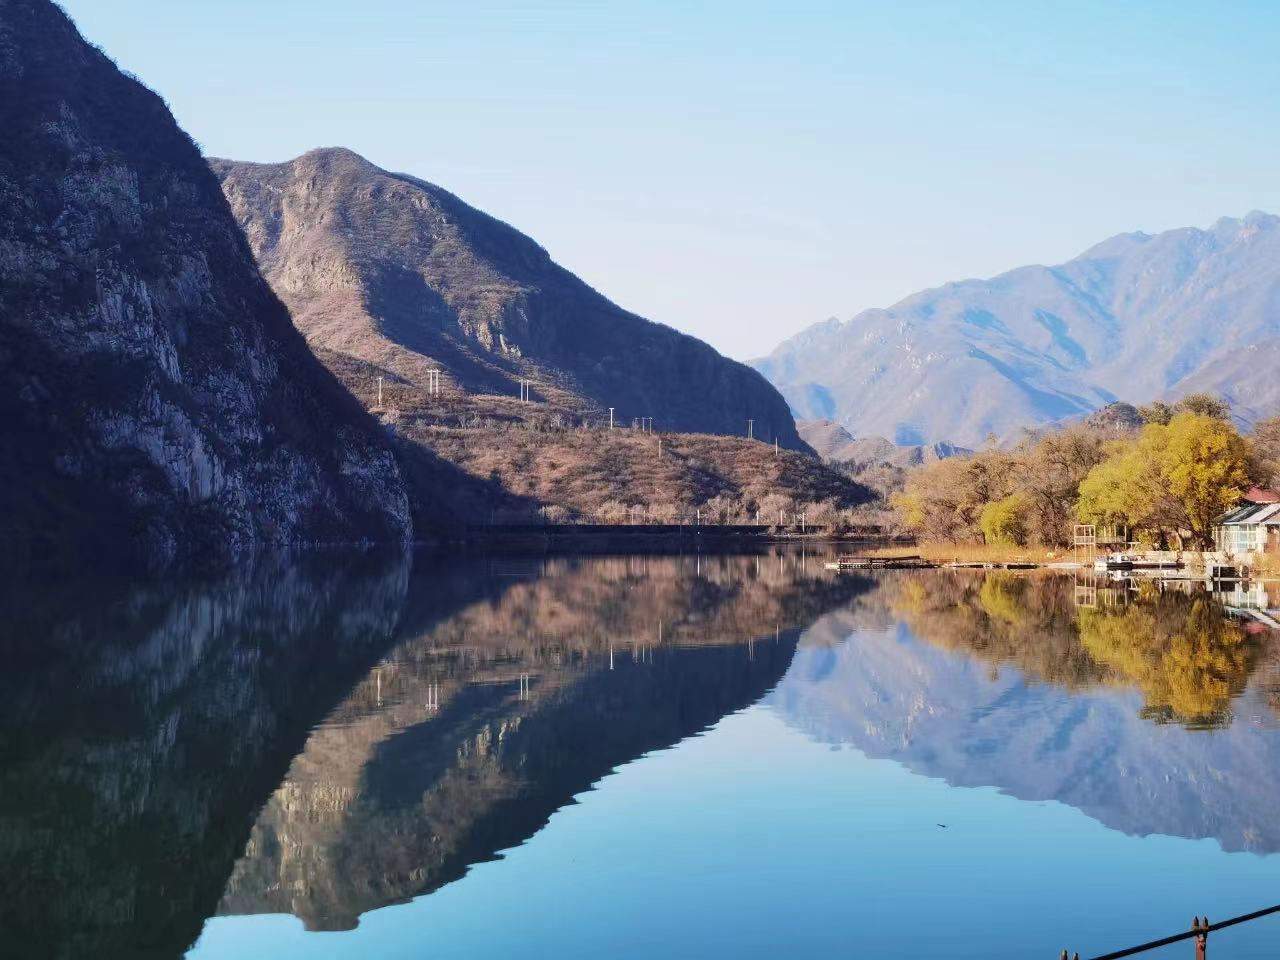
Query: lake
point(359, 755)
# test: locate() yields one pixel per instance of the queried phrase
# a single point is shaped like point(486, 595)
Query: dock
point(993, 565)
point(905, 562)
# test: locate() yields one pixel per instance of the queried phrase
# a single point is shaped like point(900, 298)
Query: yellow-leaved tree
point(1206, 465)
point(1176, 477)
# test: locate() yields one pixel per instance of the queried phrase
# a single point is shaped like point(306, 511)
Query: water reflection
point(330, 737)
point(474, 730)
point(1149, 707)
point(327, 737)
point(142, 727)
point(1174, 642)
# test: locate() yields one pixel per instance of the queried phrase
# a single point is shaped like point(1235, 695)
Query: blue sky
point(741, 170)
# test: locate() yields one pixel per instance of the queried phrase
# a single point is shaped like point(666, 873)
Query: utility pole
point(775, 448)
point(751, 429)
point(659, 448)
point(611, 418)
point(379, 393)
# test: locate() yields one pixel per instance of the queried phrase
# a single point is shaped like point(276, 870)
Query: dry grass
point(619, 476)
point(979, 553)
point(1267, 567)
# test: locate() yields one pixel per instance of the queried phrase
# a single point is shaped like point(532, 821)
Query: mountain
point(401, 277)
point(154, 395)
point(835, 444)
point(1134, 318)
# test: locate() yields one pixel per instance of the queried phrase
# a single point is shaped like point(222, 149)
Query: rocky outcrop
point(155, 397)
point(405, 277)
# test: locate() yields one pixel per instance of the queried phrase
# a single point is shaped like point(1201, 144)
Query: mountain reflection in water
point(396, 728)
point(475, 729)
point(329, 737)
point(1150, 710)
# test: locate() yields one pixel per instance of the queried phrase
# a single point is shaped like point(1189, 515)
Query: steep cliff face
point(405, 277)
point(154, 394)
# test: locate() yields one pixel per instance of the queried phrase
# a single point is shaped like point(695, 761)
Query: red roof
point(1258, 495)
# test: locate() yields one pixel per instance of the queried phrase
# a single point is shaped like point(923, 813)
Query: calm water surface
point(634, 757)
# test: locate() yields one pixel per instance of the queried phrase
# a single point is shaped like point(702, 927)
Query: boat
point(1134, 561)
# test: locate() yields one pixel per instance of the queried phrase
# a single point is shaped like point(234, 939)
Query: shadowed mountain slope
point(156, 399)
point(404, 277)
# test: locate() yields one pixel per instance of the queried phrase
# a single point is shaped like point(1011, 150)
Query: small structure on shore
point(1252, 527)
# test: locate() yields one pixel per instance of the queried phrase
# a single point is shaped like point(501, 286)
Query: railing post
point(1202, 941)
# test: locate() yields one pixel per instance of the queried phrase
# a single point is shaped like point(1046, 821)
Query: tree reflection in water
point(1178, 647)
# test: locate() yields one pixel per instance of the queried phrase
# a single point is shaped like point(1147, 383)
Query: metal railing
point(1200, 930)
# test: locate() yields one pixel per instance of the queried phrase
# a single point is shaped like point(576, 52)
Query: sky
point(741, 170)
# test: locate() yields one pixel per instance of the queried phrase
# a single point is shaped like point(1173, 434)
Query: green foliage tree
point(1124, 489)
point(1005, 521)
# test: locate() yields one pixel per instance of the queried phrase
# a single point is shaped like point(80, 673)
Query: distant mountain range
point(1137, 317)
point(835, 444)
point(403, 277)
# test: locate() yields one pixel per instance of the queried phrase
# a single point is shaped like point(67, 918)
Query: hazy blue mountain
point(1136, 317)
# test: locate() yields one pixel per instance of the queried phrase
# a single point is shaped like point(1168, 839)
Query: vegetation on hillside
point(475, 458)
point(1166, 475)
point(586, 474)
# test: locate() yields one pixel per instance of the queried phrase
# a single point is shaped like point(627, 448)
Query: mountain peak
point(1136, 317)
point(397, 275)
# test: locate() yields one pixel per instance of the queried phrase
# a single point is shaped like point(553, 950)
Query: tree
point(1266, 448)
point(1005, 521)
point(944, 500)
point(1156, 412)
point(1206, 405)
point(1206, 466)
point(1124, 488)
point(1050, 473)
point(1176, 477)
